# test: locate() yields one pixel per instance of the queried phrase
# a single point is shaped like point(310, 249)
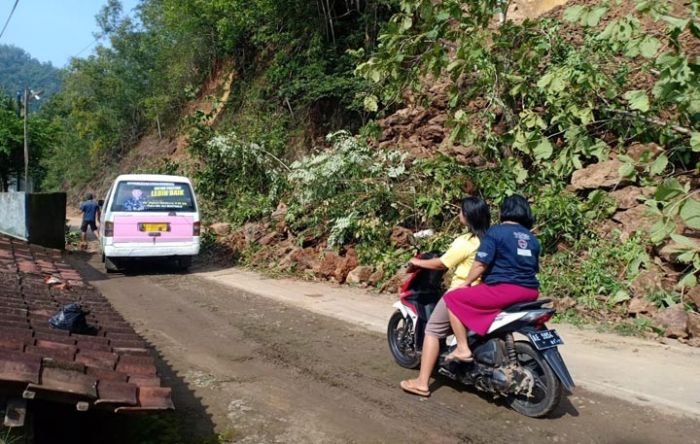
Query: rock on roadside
point(675, 320)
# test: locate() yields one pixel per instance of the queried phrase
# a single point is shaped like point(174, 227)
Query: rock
point(281, 226)
point(253, 232)
point(675, 320)
point(670, 250)
point(395, 282)
point(694, 325)
point(220, 228)
point(306, 259)
point(375, 277)
point(401, 237)
point(694, 295)
point(433, 133)
point(599, 175)
point(287, 262)
point(261, 257)
point(563, 304)
point(270, 238)
point(280, 212)
point(628, 197)
point(633, 220)
point(237, 242)
point(639, 305)
point(644, 152)
point(607, 229)
point(346, 265)
point(647, 282)
point(359, 275)
point(328, 264)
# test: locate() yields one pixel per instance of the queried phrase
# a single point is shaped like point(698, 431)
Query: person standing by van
point(91, 212)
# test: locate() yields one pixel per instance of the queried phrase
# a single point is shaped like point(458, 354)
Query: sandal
point(409, 386)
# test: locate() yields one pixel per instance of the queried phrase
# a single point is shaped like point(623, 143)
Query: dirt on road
point(257, 371)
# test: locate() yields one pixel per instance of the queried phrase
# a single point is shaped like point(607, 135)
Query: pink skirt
point(478, 306)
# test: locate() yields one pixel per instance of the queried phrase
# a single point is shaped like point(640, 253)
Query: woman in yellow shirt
point(459, 259)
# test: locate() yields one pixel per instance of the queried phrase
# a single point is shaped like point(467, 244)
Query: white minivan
point(149, 216)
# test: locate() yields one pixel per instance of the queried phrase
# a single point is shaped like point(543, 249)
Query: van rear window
point(153, 196)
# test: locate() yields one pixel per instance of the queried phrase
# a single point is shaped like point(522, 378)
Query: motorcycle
point(529, 374)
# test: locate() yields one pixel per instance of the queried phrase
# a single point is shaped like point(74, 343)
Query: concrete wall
point(13, 215)
point(39, 218)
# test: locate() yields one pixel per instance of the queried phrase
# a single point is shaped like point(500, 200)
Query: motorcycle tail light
point(196, 228)
point(539, 322)
point(109, 229)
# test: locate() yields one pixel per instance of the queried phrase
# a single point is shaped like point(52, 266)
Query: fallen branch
point(652, 120)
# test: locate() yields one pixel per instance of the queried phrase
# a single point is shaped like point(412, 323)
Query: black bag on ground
point(72, 318)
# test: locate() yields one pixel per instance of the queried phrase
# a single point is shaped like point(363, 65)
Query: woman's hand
point(413, 265)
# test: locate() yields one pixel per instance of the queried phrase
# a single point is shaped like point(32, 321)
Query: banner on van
point(153, 196)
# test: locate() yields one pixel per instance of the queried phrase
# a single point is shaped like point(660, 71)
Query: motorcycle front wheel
point(402, 341)
point(547, 390)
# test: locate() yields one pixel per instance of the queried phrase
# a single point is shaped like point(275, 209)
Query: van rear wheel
point(110, 265)
point(183, 262)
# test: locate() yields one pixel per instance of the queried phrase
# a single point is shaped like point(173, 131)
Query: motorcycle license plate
point(545, 339)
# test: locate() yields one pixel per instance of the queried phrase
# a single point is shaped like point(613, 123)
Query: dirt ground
point(252, 370)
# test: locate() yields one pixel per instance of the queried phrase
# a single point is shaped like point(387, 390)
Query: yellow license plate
point(154, 227)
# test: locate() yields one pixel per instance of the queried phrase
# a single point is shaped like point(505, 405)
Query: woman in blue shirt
point(508, 257)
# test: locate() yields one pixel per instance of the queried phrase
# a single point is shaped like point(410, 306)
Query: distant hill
point(18, 68)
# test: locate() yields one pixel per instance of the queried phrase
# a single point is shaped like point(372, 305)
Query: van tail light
point(109, 229)
point(196, 228)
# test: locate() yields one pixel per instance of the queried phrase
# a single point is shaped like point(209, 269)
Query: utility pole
point(26, 141)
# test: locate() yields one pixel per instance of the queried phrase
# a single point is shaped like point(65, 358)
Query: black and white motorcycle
point(529, 374)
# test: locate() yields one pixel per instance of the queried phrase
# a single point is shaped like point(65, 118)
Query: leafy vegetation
point(291, 53)
point(19, 70)
point(564, 101)
point(41, 136)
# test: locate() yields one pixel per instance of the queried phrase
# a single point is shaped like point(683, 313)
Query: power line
point(7, 22)
point(86, 48)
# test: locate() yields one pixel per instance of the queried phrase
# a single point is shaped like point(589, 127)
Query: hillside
point(18, 69)
point(590, 110)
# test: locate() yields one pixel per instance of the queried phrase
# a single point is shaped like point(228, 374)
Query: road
point(255, 370)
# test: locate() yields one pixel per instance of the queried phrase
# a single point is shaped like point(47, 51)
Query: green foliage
point(563, 218)
point(19, 70)
point(238, 178)
point(347, 192)
point(595, 272)
point(41, 136)
point(563, 104)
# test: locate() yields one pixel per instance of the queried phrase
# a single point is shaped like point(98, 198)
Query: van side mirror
point(101, 202)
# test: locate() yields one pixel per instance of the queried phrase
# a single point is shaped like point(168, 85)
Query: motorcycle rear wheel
point(547, 392)
point(401, 341)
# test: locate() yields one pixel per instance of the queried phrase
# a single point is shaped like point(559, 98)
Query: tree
point(41, 137)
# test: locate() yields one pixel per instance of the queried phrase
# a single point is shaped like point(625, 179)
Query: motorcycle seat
point(523, 306)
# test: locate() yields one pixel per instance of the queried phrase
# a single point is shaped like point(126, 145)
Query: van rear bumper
point(149, 250)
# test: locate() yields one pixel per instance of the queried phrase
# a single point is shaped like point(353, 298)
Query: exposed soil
point(259, 371)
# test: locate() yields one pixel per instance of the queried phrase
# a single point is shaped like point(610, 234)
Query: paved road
point(262, 371)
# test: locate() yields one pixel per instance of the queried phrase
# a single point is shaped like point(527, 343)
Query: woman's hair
point(477, 214)
point(88, 196)
point(516, 209)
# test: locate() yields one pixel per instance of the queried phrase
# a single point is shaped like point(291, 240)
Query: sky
point(53, 30)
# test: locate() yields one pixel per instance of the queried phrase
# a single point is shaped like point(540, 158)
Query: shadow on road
point(189, 423)
point(565, 408)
